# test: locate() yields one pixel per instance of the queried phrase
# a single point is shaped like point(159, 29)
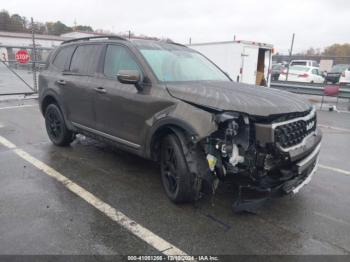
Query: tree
point(57, 28)
point(17, 24)
point(4, 20)
point(84, 28)
point(337, 50)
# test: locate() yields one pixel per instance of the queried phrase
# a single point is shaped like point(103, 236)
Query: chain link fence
point(22, 57)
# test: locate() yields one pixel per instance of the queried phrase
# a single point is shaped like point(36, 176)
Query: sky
point(316, 23)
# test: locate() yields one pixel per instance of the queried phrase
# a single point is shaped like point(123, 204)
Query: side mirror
point(131, 77)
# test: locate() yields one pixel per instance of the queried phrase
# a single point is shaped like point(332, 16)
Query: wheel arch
point(163, 128)
point(49, 98)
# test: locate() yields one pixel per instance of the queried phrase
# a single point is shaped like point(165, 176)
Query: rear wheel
point(56, 127)
point(176, 178)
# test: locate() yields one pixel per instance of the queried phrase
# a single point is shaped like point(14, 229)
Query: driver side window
point(118, 58)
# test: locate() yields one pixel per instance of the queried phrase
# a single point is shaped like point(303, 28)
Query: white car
point(345, 77)
point(311, 63)
point(303, 74)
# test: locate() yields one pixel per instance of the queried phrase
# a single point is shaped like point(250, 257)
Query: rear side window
point(118, 58)
point(295, 63)
point(85, 59)
point(63, 57)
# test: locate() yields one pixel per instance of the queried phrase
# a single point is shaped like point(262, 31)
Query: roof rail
point(169, 41)
point(112, 37)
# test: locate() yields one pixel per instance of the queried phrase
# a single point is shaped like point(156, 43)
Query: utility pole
point(290, 55)
point(129, 34)
point(34, 57)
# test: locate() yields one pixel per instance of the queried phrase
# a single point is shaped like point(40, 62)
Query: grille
point(293, 133)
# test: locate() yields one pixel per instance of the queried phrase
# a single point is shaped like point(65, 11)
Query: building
point(79, 34)
point(14, 39)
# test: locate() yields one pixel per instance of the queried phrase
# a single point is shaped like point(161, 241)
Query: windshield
point(173, 63)
point(339, 68)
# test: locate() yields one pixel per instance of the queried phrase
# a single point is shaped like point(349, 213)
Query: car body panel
point(232, 96)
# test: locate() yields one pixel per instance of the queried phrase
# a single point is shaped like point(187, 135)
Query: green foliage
point(337, 50)
point(17, 23)
point(14, 23)
point(84, 28)
point(57, 28)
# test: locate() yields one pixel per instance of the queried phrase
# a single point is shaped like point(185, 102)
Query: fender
point(170, 122)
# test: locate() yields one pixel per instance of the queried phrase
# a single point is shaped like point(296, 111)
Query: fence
point(318, 58)
point(22, 56)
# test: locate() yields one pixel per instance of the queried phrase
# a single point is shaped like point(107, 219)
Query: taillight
point(304, 75)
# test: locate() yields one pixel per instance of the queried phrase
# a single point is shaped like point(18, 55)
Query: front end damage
point(263, 157)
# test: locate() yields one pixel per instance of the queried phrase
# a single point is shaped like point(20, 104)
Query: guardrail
point(309, 89)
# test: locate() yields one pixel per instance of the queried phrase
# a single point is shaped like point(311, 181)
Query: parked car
point(309, 63)
point(339, 74)
point(277, 69)
point(168, 103)
point(302, 74)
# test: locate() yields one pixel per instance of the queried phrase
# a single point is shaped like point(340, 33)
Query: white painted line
point(7, 143)
point(143, 233)
point(345, 172)
point(14, 107)
point(335, 128)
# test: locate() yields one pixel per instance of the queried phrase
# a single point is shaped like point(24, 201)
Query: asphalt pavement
point(41, 214)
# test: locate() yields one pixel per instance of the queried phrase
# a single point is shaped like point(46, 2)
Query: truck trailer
point(244, 61)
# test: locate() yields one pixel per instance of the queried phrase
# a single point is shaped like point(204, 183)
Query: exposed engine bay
point(262, 157)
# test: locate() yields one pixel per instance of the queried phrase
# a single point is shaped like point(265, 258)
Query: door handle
point(61, 82)
point(100, 90)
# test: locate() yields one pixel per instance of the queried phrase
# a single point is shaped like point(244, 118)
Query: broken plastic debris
point(211, 161)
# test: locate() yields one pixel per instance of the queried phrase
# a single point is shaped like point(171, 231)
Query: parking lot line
point(345, 172)
point(143, 233)
point(19, 106)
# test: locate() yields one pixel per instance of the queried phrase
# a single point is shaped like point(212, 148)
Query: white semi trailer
point(244, 61)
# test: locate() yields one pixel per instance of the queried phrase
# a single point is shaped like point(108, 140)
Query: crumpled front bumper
point(303, 169)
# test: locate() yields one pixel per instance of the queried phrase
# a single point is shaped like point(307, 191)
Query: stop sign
point(22, 56)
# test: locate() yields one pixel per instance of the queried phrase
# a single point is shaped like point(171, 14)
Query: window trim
point(103, 60)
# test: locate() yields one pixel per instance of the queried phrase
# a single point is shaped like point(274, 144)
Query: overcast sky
point(317, 23)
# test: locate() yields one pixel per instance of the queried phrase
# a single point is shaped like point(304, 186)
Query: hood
point(232, 96)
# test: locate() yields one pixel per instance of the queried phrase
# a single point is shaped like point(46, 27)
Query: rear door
point(76, 88)
point(249, 64)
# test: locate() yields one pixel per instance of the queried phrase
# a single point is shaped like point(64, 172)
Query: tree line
point(332, 50)
point(17, 23)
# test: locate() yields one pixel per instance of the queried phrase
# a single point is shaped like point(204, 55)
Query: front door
point(120, 108)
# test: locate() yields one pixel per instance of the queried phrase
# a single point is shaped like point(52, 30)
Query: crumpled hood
point(232, 96)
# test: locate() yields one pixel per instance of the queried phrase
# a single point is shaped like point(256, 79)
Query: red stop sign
point(22, 56)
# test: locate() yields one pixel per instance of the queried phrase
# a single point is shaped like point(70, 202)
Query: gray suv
point(168, 103)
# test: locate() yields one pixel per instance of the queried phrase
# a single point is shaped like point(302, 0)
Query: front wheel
point(176, 178)
point(56, 127)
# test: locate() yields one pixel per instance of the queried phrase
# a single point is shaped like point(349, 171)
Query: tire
point(56, 127)
point(176, 178)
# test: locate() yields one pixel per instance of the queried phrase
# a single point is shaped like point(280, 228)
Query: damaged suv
point(166, 102)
